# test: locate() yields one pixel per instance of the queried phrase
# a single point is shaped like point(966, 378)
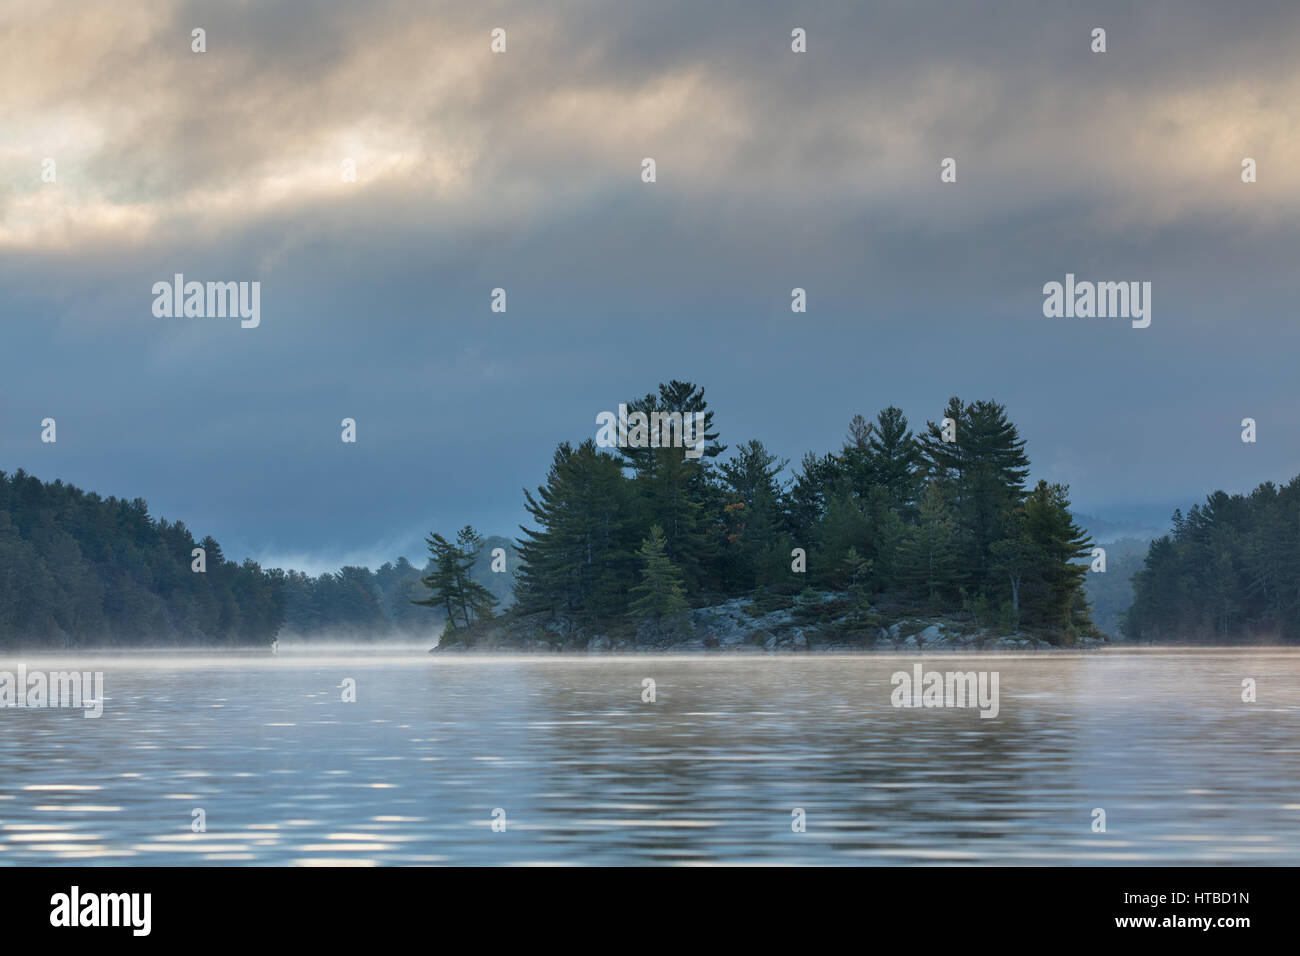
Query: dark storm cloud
point(775, 170)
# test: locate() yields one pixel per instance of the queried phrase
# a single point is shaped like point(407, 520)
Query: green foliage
point(660, 596)
point(845, 526)
point(463, 601)
point(806, 499)
point(858, 570)
point(928, 555)
point(1226, 573)
point(1009, 618)
point(79, 570)
point(754, 518)
point(580, 562)
point(638, 535)
point(890, 516)
point(1037, 555)
point(982, 476)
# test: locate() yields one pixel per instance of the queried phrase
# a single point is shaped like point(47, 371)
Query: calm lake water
point(286, 772)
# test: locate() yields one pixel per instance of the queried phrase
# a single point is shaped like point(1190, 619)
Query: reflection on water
point(286, 772)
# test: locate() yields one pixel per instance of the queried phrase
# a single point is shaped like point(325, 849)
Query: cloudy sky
point(522, 170)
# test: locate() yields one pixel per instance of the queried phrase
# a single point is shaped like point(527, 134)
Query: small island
point(661, 539)
point(894, 541)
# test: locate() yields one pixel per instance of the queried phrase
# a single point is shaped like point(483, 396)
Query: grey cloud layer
point(775, 170)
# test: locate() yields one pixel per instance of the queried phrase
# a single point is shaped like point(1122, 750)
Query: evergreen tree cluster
point(1227, 572)
point(892, 516)
point(77, 569)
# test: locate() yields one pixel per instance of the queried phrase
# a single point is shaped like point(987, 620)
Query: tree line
point(1228, 572)
point(941, 519)
point(81, 570)
point(77, 569)
point(938, 520)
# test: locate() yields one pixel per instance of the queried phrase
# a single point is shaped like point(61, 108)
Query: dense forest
point(1229, 572)
point(940, 521)
point(79, 570)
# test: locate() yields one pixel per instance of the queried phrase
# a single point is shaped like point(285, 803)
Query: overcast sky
point(522, 170)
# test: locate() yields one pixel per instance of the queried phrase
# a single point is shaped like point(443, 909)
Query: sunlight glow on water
point(289, 774)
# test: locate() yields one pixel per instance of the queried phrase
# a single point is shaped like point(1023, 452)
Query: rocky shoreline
point(740, 626)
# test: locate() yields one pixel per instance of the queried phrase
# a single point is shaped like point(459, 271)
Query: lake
point(579, 769)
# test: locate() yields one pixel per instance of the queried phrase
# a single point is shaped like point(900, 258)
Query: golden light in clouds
point(145, 133)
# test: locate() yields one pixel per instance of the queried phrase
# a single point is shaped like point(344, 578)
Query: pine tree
point(754, 512)
point(855, 457)
point(672, 495)
point(982, 473)
point(844, 526)
point(477, 601)
point(894, 457)
point(928, 554)
point(464, 601)
point(677, 492)
point(806, 498)
point(1037, 556)
point(660, 596)
point(684, 398)
point(580, 560)
point(443, 581)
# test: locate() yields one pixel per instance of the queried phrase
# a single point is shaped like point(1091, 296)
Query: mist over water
point(286, 772)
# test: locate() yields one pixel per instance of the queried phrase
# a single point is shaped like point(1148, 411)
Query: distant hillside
point(1111, 593)
point(78, 570)
point(1126, 538)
